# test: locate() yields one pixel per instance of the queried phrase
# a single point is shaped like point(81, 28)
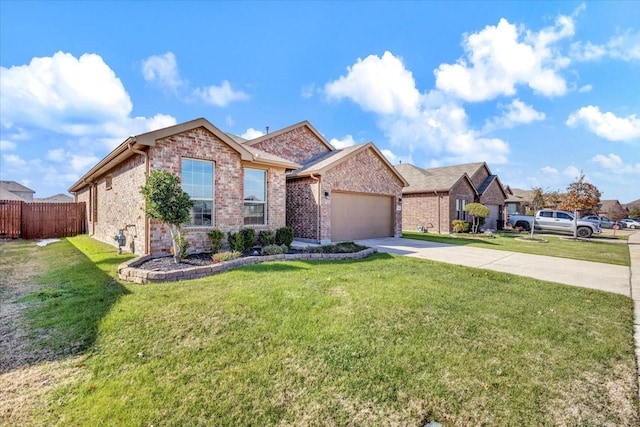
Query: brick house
point(337, 195)
point(234, 183)
point(437, 196)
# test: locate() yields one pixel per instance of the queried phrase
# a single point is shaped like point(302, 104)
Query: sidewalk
point(634, 279)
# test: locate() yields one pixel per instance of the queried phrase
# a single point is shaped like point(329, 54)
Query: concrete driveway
point(605, 277)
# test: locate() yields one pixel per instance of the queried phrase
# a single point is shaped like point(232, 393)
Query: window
point(108, 182)
point(563, 215)
point(198, 181)
point(546, 214)
point(255, 197)
point(460, 212)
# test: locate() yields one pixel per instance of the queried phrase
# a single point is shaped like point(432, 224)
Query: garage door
point(361, 216)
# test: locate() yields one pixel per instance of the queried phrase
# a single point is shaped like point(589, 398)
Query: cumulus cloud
point(606, 125)
point(514, 114)
point(220, 96)
point(572, 172)
point(379, 84)
point(391, 157)
point(625, 47)
point(548, 170)
point(347, 141)
point(252, 133)
point(614, 164)
point(7, 145)
point(163, 71)
point(433, 121)
point(499, 58)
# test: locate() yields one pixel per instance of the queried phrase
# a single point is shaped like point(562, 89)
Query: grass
point(382, 341)
point(604, 251)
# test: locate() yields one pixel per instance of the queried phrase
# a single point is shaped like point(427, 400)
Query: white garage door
point(361, 216)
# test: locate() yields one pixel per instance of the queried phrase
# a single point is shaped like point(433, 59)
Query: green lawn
point(605, 250)
point(386, 340)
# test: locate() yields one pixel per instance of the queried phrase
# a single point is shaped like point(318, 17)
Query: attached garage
point(361, 216)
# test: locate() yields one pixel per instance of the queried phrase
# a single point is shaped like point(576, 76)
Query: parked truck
point(556, 221)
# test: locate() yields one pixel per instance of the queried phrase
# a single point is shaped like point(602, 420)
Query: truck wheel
point(524, 224)
point(584, 232)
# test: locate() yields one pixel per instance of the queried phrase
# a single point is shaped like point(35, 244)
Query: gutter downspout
point(438, 196)
point(147, 231)
point(317, 179)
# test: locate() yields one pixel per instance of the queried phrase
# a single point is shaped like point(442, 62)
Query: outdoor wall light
point(327, 195)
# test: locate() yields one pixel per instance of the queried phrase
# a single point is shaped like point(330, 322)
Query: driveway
point(605, 277)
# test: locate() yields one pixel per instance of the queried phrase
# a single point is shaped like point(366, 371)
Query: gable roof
point(433, 180)
point(271, 135)
point(487, 183)
point(319, 165)
point(8, 195)
point(13, 187)
point(58, 198)
point(134, 144)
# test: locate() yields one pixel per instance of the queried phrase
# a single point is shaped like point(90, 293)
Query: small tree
point(580, 195)
point(167, 202)
point(478, 211)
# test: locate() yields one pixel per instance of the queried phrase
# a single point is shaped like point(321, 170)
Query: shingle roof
point(433, 179)
point(15, 186)
point(8, 195)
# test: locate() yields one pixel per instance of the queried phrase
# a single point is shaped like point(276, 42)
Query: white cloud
point(82, 163)
point(614, 164)
point(572, 172)
point(57, 155)
point(432, 122)
point(378, 84)
point(7, 145)
point(514, 114)
point(606, 125)
point(220, 96)
point(391, 157)
point(162, 69)
point(13, 161)
point(307, 91)
point(548, 170)
point(585, 88)
point(252, 133)
point(499, 58)
point(79, 97)
point(625, 47)
point(347, 141)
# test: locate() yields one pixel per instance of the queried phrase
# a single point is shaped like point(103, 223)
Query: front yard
point(386, 340)
point(607, 249)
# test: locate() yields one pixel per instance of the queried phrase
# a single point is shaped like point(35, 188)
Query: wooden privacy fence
point(22, 220)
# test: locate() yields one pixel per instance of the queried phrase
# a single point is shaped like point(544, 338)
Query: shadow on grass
point(73, 293)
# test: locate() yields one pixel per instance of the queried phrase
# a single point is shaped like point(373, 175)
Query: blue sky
point(541, 91)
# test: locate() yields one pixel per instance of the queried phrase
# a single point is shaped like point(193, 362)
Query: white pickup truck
point(554, 220)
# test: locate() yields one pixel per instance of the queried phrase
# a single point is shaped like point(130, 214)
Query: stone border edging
point(128, 271)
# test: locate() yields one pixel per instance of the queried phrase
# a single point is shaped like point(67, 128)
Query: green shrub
point(249, 238)
point(225, 256)
point(266, 238)
point(216, 237)
point(274, 249)
point(236, 241)
point(460, 226)
point(284, 236)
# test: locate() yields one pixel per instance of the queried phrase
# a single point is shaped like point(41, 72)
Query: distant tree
point(617, 212)
point(167, 202)
point(538, 201)
point(580, 196)
point(634, 212)
point(478, 211)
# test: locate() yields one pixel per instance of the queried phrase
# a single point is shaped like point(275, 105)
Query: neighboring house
point(234, 183)
point(518, 201)
point(437, 196)
point(11, 190)
point(58, 198)
point(612, 209)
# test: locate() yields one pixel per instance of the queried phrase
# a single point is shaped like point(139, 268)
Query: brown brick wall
point(362, 173)
point(479, 176)
point(297, 145)
point(229, 184)
point(302, 207)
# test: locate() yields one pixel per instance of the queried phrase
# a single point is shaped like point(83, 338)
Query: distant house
point(437, 196)
point(11, 190)
point(612, 209)
point(289, 177)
